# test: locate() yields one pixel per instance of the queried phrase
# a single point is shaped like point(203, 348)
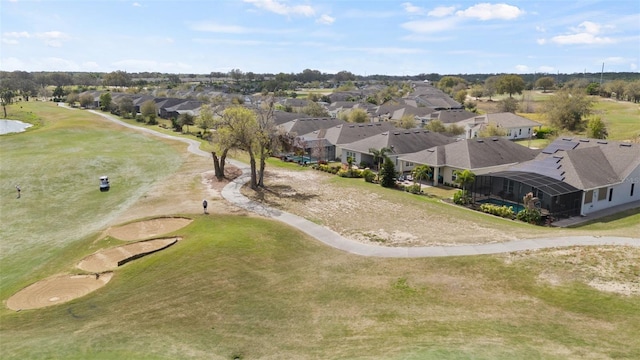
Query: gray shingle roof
point(400, 141)
point(510, 120)
point(587, 163)
point(474, 154)
point(348, 133)
point(452, 116)
point(307, 125)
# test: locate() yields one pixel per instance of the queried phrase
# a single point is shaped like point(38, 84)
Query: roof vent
point(396, 133)
point(625, 144)
point(602, 142)
point(584, 140)
point(480, 140)
point(567, 139)
point(495, 139)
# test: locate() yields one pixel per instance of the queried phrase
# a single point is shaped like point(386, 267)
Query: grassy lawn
point(253, 288)
point(621, 118)
point(246, 287)
point(57, 166)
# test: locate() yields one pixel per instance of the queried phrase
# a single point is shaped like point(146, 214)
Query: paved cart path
point(231, 192)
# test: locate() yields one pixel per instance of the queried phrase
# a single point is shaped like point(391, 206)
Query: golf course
point(234, 285)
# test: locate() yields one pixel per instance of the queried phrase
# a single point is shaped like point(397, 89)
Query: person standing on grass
point(18, 188)
point(204, 205)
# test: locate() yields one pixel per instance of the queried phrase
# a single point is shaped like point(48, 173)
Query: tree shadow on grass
point(270, 195)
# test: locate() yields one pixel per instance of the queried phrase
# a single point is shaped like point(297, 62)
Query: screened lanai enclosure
point(554, 197)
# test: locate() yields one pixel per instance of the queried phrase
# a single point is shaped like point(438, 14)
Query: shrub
point(461, 197)
point(502, 211)
point(543, 132)
point(531, 216)
point(414, 189)
point(353, 173)
point(368, 175)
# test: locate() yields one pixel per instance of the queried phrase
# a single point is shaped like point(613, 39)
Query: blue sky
point(364, 37)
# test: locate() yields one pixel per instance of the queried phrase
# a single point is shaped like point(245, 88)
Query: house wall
point(609, 196)
point(519, 133)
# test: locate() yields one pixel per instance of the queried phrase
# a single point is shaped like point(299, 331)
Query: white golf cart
point(104, 183)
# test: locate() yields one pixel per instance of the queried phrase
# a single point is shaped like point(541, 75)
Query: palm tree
point(464, 178)
point(379, 155)
point(420, 173)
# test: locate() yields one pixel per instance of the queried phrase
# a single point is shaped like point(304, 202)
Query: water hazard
point(12, 126)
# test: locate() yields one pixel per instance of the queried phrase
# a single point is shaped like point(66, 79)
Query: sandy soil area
point(110, 259)
point(148, 228)
point(365, 216)
point(56, 290)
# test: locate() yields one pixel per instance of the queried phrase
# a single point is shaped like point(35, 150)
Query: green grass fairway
point(253, 288)
point(57, 166)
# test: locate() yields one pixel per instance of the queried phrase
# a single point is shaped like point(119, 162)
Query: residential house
point(453, 116)
point(570, 177)
point(162, 104)
point(400, 142)
point(432, 97)
point(515, 126)
point(191, 107)
point(481, 156)
point(326, 144)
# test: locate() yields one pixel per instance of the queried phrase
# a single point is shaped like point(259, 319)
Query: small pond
point(12, 126)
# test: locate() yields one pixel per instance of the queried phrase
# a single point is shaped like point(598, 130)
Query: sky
point(383, 37)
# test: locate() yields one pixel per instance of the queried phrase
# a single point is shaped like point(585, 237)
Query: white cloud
point(587, 27)
point(54, 43)
point(583, 38)
point(546, 69)
point(633, 66)
point(281, 8)
point(486, 11)
point(541, 41)
point(586, 33)
point(150, 65)
point(51, 38)
point(616, 60)
point(16, 34)
point(430, 26)
point(136, 4)
point(522, 68)
point(90, 65)
point(540, 29)
point(326, 20)
point(412, 9)
point(52, 35)
point(220, 28)
point(442, 11)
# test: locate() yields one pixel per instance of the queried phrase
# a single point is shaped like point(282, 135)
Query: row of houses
point(569, 177)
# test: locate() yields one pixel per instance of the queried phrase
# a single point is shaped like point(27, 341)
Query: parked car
point(104, 183)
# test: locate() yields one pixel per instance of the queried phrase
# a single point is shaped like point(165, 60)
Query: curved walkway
point(231, 192)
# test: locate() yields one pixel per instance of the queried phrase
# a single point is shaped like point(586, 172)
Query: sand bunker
point(62, 288)
point(56, 290)
point(109, 259)
point(148, 228)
